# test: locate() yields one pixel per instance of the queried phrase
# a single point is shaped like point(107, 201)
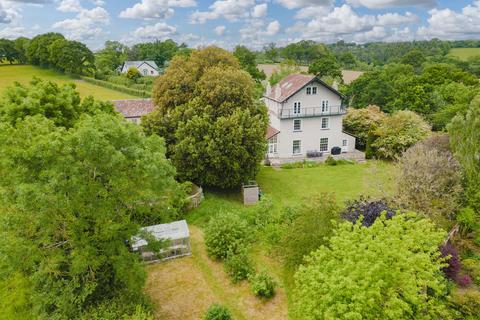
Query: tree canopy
point(77, 182)
point(71, 56)
point(60, 103)
point(206, 111)
point(390, 270)
point(247, 60)
point(465, 139)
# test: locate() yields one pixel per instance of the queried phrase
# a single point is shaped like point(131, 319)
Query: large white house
point(306, 117)
point(146, 68)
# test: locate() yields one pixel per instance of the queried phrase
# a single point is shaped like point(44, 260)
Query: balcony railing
point(313, 112)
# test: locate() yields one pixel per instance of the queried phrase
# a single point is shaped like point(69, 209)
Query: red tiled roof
point(288, 86)
point(134, 108)
point(271, 131)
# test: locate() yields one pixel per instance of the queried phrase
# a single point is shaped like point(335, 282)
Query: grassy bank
point(24, 73)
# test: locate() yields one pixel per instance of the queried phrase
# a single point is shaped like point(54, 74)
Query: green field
point(464, 53)
point(24, 73)
point(184, 288)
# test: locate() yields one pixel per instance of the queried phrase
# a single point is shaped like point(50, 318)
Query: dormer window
point(311, 90)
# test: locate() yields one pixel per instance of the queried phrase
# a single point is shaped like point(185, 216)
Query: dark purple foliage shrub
point(464, 280)
point(368, 208)
point(453, 269)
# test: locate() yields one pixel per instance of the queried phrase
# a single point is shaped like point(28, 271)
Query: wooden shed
point(176, 233)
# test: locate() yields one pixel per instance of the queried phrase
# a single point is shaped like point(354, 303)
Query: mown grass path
point(184, 288)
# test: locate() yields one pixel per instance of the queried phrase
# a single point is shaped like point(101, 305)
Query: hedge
point(113, 86)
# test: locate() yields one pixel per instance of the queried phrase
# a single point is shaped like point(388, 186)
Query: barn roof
point(134, 108)
point(293, 83)
point(171, 231)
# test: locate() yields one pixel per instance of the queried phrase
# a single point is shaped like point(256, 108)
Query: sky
point(253, 23)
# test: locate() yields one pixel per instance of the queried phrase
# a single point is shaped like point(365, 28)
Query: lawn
point(184, 288)
point(464, 53)
point(24, 73)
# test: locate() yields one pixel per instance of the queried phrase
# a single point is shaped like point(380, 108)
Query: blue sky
point(250, 22)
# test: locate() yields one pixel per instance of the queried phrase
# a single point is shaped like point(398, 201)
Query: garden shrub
point(397, 133)
point(217, 312)
point(368, 209)
point(263, 285)
point(466, 302)
point(452, 270)
point(300, 164)
point(307, 227)
point(238, 265)
point(331, 161)
point(133, 73)
point(379, 272)
point(430, 182)
point(360, 122)
point(226, 232)
point(472, 267)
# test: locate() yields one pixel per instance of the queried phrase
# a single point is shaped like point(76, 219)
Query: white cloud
point(86, 25)
point(390, 19)
point(312, 12)
point(273, 28)
point(260, 10)
point(344, 23)
point(220, 30)
point(8, 12)
point(69, 6)
point(379, 4)
point(256, 33)
point(13, 32)
point(232, 10)
point(296, 4)
point(158, 31)
point(449, 24)
point(31, 1)
point(155, 9)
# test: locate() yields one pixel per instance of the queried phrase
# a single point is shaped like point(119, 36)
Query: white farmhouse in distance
point(306, 116)
point(146, 68)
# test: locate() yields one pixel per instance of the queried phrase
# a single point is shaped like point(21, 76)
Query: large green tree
point(326, 65)
point(37, 51)
point(159, 51)
point(8, 51)
point(390, 270)
point(465, 140)
point(111, 56)
point(247, 60)
point(72, 57)
point(21, 45)
point(70, 201)
point(60, 103)
point(214, 128)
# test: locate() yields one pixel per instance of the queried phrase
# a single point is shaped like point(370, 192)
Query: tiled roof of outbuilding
point(134, 108)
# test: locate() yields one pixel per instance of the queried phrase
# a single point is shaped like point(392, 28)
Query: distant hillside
point(348, 75)
point(464, 53)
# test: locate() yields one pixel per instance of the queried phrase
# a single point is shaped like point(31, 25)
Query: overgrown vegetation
point(77, 181)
